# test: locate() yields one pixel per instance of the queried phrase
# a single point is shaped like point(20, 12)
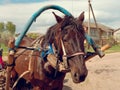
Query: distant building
point(117, 35)
point(100, 36)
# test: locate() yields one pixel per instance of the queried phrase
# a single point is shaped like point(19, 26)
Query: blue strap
point(91, 42)
point(49, 51)
point(34, 17)
point(89, 39)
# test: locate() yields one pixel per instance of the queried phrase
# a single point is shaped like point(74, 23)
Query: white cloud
point(106, 12)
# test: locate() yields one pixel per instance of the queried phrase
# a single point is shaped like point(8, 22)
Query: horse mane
point(55, 29)
point(51, 32)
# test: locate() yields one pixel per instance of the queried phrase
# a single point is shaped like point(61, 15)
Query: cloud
point(20, 1)
point(106, 12)
point(4, 1)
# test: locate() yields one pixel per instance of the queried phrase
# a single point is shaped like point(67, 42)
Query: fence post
point(10, 62)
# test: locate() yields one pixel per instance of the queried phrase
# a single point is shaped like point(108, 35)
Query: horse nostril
point(75, 75)
point(82, 78)
point(79, 78)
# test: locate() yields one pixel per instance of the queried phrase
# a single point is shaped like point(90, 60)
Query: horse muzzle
point(79, 77)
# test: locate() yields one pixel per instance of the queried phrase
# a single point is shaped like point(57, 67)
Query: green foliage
point(5, 36)
point(33, 35)
point(1, 27)
point(10, 27)
point(114, 48)
point(5, 49)
point(6, 30)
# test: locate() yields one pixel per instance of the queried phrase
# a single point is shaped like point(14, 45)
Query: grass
point(5, 49)
point(114, 48)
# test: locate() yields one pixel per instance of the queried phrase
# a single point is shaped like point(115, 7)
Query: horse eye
point(65, 38)
point(65, 31)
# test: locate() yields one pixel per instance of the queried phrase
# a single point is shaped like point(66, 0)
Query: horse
point(36, 72)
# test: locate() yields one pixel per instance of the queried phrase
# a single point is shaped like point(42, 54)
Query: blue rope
point(33, 18)
point(49, 51)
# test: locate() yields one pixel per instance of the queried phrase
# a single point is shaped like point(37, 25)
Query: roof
point(117, 32)
point(100, 26)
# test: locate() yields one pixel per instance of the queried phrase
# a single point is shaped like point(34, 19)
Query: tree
point(5, 36)
point(10, 27)
point(2, 25)
point(6, 30)
point(33, 35)
point(1, 28)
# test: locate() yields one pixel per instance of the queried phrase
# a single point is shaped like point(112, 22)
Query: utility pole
point(90, 9)
point(89, 17)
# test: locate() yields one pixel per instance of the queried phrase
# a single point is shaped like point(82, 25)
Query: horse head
point(68, 38)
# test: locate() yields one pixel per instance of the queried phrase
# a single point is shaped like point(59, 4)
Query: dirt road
point(103, 74)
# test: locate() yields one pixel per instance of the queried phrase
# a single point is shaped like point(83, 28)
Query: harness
point(44, 53)
point(49, 52)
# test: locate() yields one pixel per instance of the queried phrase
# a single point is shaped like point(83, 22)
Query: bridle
point(65, 56)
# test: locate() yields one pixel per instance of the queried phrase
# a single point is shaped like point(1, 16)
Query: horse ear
point(58, 18)
point(81, 17)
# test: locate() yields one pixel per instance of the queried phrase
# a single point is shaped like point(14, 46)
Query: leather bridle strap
point(65, 56)
point(74, 54)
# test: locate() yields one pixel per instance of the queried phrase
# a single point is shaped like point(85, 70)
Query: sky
point(107, 12)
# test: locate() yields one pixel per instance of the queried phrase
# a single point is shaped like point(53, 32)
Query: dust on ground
point(103, 74)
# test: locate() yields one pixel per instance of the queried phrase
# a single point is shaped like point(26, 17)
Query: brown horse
point(67, 37)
